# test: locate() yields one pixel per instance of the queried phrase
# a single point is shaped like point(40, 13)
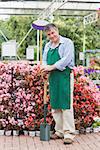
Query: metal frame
point(30, 7)
point(55, 5)
point(89, 19)
point(96, 51)
point(52, 7)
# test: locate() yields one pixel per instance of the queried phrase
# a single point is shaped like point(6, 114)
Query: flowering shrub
point(2, 124)
point(95, 63)
point(21, 97)
point(86, 98)
point(96, 122)
point(29, 123)
point(92, 73)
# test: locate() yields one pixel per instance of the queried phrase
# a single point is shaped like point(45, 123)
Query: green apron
point(59, 83)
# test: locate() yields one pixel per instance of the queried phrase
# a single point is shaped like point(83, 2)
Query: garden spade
point(44, 127)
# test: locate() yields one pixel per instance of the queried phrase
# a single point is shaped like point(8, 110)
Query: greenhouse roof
point(33, 7)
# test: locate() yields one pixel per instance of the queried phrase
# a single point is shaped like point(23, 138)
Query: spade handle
point(45, 92)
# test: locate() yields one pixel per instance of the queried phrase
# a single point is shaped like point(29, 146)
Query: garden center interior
point(21, 83)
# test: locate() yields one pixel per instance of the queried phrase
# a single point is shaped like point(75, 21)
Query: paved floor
point(82, 142)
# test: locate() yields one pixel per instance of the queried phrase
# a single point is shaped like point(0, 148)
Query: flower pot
point(76, 132)
point(82, 131)
point(1, 132)
point(51, 132)
point(15, 132)
point(8, 133)
point(38, 133)
point(32, 133)
point(95, 130)
point(25, 132)
point(88, 130)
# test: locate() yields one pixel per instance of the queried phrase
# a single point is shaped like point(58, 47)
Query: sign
point(81, 56)
point(9, 49)
point(30, 53)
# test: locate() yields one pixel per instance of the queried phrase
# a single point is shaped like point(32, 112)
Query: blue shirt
point(66, 53)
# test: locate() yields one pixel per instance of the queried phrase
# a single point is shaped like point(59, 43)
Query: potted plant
point(8, 129)
point(86, 100)
point(96, 124)
point(30, 125)
point(16, 128)
point(1, 127)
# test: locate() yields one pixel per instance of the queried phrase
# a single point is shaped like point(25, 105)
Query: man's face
point(52, 35)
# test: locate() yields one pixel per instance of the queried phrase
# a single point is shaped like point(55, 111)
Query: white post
point(37, 46)
point(84, 37)
point(40, 46)
point(84, 42)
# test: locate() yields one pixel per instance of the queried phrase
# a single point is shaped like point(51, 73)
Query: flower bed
point(93, 71)
point(86, 99)
point(21, 97)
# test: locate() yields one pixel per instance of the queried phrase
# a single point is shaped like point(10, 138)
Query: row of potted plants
point(21, 96)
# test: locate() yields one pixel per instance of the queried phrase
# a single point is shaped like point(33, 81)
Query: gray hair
point(49, 26)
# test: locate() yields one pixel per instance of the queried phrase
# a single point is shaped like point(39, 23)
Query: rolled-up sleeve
point(67, 57)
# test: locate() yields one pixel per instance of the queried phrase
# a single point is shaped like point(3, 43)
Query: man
point(58, 61)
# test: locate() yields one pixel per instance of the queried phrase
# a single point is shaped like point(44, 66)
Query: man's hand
point(47, 68)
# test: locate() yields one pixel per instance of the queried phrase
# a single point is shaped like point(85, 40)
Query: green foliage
point(73, 29)
point(93, 37)
point(17, 27)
